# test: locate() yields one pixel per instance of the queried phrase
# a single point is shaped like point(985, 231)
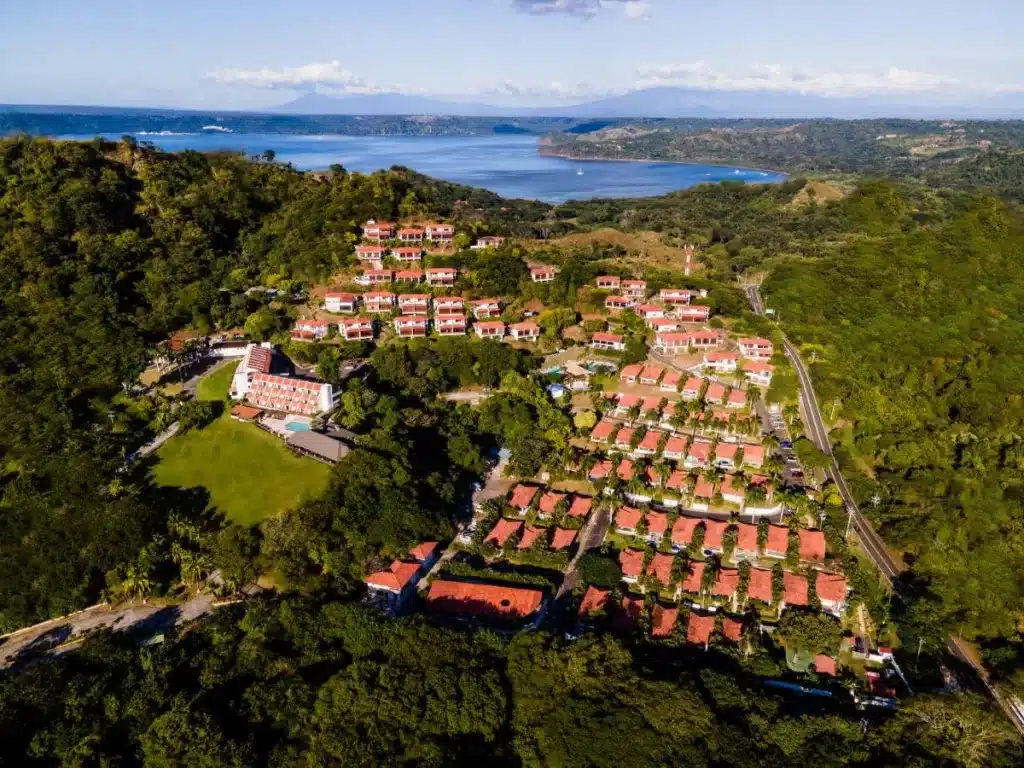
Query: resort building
point(380, 301)
point(411, 326)
point(356, 328)
point(341, 302)
point(442, 277)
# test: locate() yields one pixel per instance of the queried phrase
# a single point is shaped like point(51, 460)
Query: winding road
point(870, 540)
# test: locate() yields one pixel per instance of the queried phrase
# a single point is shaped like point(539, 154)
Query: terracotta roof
point(625, 436)
point(714, 533)
point(794, 589)
point(529, 325)
point(603, 430)
point(629, 611)
point(677, 480)
point(628, 401)
point(726, 583)
point(530, 534)
point(693, 384)
point(549, 501)
point(627, 517)
point(631, 371)
point(760, 585)
point(756, 366)
point(424, 551)
point(503, 530)
point(675, 445)
point(732, 629)
point(778, 540)
point(652, 403)
point(396, 577)
point(650, 441)
point(830, 586)
point(259, 359)
point(663, 621)
point(625, 470)
point(657, 522)
point(245, 412)
point(694, 577)
point(632, 562)
point(812, 544)
point(715, 391)
point(682, 531)
point(563, 538)
point(733, 485)
point(522, 496)
point(754, 342)
point(746, 537)
point(703, 489)
point(610, 338)
point(738, 397)
point(753, 454)
point(601, 470)
point(671, 379)
point(661, 567)
point(580, 506)
point(652, 371)
point(593, 600)
point(491, 600)
point(699, 629)
point(721, 357)
point(825, 665)
point(700, 450)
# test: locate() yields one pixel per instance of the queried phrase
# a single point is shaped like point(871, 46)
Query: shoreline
point(786, 174)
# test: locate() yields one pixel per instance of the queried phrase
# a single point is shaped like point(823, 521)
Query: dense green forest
point(909, 298)
point(301, 683)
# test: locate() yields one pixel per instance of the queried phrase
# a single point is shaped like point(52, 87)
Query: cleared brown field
point(642, 248)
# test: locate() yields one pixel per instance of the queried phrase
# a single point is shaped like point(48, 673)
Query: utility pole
point(835, 404)
point(849, 520)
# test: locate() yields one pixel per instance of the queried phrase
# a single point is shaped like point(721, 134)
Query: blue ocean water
point(508, 165)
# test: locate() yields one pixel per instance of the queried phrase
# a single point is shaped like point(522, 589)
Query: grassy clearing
point(249, 474)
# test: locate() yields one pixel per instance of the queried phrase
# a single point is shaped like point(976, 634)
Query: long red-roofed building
point(491, 601)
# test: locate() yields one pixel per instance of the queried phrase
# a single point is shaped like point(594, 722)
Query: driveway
point(591, 536)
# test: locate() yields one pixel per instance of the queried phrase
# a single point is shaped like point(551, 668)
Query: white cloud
point(775, 78)
point(324, 75)
point(585, 9)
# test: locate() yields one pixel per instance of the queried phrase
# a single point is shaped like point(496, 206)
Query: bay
point(508, 165)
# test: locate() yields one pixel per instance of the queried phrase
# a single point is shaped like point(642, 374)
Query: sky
point(236, 54)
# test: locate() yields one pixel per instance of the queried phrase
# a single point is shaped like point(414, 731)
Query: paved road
point(67, 633)
point(591, 535)
point(870, 540)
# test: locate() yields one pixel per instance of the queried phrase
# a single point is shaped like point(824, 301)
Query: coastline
point(785, 174)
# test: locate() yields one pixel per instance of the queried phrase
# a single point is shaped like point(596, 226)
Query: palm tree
point(135, 583)
point(770, 443)
point(753, 395)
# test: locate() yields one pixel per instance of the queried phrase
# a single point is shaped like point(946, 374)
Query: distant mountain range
point(668, 101)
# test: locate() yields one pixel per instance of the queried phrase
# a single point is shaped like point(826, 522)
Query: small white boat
point(579, 173)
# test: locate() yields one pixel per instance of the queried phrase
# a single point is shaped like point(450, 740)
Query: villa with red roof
point(486, 308)
point(548, 502)
point(631, 561)
point(649, 445)
point(657, 526)
point(494, 602)
point(746, 540)
point(411, 234)
point(449, 305)
point(371, 254)
point(677, 481)
point(636, 289)
point(530, 535)
point(703, 493)
point(715, 394)
point(624, 440)
point(625, 470)
point(630, 373)
point(411, 326)
point(356, 328)
point(663, 325)
point(626, 520)
point(607, 341)
point(734, 489)
point(603, 430)
point(414, 303)
point(594, 601)
point(675, 448)
point(699, 629)
point(341, 302)
point(442, 277)
point(694, 580)
point(721, 362)
point(672, 342)
point(777, 544)
point(651, 375)
point(714, 534)
point(753, 455)
point(651, 407)
point(609, 282)
point(737, 398)
point(760, 585)
point(812, 544)
point(832, 589)
point(758, 373)
point(374, 277)
point(825, 665)
point(756, 349)
point(616, 304)
point(563, 538)
point(395, 579)
point(379, 301)
point(490, 329)
point(522, 497)
point(695, 313)
point(378, 230)
point(794, 589)
point(698, 454)
point(439, 233)
point(650, 311)
point(725, 455)
point(543, 274)
point(408, 254)
point(670, 382)
point(705, 339)
point(526, 331)
point(661, 568)
point(732, 629)
point(503, 530)
point(600, 471)
point(409, 276)
point(675, 296)
point(311, 329)
point(726, 583)
point(663, 621)
point(450, 325)
point(580, 506)
point(487, 241)
point(692, 388)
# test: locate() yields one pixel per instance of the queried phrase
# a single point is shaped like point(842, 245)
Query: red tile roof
point(549, 501)
point(825, 665)
point(625, 436)
point(625, 470)
point(671, 379)
point(650, 441)
point(727, 582)
point(260, 359)
point(663, 621)
point(397, 577)
point(714, 533)
point(682, 531)
point(652, 371)
point(632, 562)
point(693, 384)
point(522, 496)
point(610, 338)
point(594, 600)
point(580, 506)
point(652, 403)
point(700, 450)
point(746, 537)
point(830, 586)
point(733, 485)
point(675, 445)
point(760, 585)
point(631, 371)
point(778, 540)
point(629, 612)
point(628, 401)
point(732, 629)
point(530, 534)
point(661, 567)
point(699, 629)
point(753, 455)
point(812, 544)
point(657, 523)
point(694, 577)
point(601, 470)
point(677, 480)
point(794, 589)
point(715, 391)
point(738, 397)
point(424, 551)
point(627, 517)
point(563, 537)
point(503, 530)
point(602, 431)
point(489, 600)
point(726, 451)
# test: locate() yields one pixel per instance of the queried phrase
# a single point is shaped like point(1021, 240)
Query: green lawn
point(250, 474)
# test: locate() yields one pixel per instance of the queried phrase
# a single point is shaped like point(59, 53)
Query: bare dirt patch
point(819, 191)
point(641, 248)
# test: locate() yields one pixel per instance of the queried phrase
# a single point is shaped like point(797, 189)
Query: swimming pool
point(297, 426)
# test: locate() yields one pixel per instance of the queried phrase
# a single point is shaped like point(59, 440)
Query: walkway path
point(591, 535)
